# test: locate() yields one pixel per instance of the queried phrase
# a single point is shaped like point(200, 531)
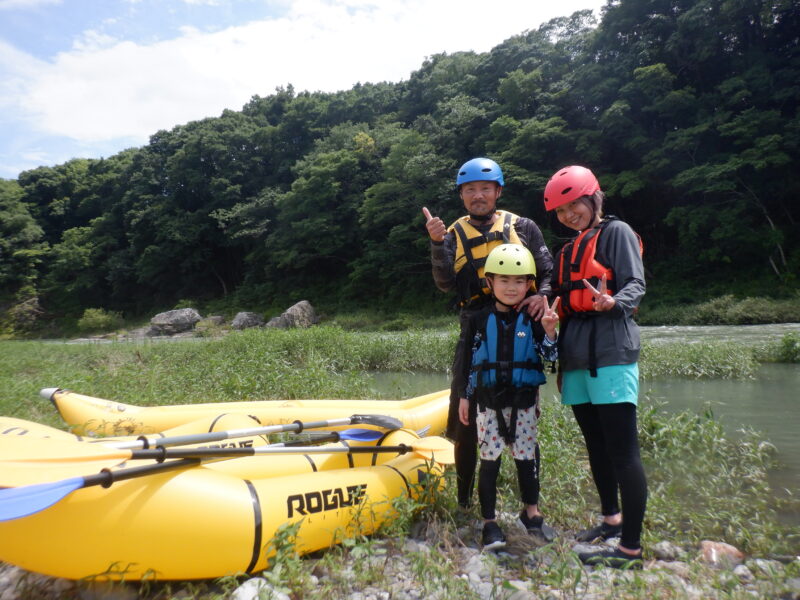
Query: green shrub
point(185, 303)
point(726, 360)
point(789, 348)
point(97, 319)
point(724, 310)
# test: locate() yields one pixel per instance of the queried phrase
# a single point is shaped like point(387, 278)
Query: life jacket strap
point(520, 398)
point(508, 365)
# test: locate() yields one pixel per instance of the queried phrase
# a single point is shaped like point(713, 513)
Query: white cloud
point(104, 89)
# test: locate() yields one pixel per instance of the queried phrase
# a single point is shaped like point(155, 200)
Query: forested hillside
point(687, 110)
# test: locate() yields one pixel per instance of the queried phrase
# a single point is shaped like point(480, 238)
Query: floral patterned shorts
point(491, 442)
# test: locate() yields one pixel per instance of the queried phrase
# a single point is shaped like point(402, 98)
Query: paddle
point(382, 421)
point(26, 500)
point(23, 458)
point(433, 448)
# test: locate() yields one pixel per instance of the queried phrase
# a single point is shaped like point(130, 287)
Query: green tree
point(21, 248)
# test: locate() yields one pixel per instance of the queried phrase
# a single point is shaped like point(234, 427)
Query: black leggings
point(465, 442)
point(527, 476)
point(611, 440)
point(465, 439)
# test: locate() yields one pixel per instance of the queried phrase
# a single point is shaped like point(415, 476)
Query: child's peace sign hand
point(550, 317)
point(602, 300)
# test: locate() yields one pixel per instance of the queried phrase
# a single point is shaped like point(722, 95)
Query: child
point(504, 379)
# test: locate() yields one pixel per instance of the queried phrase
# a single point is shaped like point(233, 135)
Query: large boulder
point(301, 314)
point(246, 320)
point(174, 321)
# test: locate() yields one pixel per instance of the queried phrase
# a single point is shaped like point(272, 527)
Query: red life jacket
point(576, 261)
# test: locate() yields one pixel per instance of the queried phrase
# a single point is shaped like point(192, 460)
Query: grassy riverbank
point(320, 362)
point(702, 484)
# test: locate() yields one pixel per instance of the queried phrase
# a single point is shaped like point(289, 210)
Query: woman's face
point(576, 215)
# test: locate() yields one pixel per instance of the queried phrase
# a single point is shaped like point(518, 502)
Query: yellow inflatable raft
point(86, 414)
point(211, 520)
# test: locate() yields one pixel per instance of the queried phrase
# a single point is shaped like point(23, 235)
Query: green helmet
point(510, 259)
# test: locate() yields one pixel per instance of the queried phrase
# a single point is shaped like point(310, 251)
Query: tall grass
point(320, 362)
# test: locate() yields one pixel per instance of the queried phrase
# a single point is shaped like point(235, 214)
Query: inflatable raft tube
point(86, 414)
point(203, 523)
point(12, 426)
point(252, 467)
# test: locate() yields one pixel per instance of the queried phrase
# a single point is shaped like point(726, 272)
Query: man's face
point(480, 197)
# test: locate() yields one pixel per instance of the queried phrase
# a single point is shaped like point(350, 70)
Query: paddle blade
point(383, 421)
point(360, 435)
point(16, 503)
point(25, 460)
point(436, 449)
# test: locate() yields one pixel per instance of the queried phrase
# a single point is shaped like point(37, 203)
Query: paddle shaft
point(165, 453)
point(296, 427)
point(106, 477)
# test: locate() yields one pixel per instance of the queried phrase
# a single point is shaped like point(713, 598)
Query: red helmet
point(568, 184)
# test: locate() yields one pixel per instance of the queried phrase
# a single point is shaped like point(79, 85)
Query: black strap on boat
point(258, 526)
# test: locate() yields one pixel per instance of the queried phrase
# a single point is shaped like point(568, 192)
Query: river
point(769, 403)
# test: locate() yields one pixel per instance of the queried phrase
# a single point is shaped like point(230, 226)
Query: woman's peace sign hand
point(601, 299)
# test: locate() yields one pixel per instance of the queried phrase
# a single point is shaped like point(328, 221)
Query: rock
point(106, 590)
point(720, 554)
point(765, 567)
point(744, 574)
point(246, 320)
point(681, 569)
point(301, 314)
point(477, 566)
point(257, 588)
point(521, 595)
point(174, 321)
point(210, 322)
point(667, 551)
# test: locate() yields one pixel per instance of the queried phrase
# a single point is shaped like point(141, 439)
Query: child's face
point(575, 215)
point(480, 197)
point(510, 289)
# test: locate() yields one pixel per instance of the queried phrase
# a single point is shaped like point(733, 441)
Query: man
point(458, 254)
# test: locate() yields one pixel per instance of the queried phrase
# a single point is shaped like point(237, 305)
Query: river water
point(769, 403)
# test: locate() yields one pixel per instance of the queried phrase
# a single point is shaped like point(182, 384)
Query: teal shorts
point(614, 384)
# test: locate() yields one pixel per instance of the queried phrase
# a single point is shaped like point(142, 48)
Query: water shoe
point(604, 531)
point(492, 537)
point(536, 527)
point(611, 557)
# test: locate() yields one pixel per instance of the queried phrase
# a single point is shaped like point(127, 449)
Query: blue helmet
point(479, 169)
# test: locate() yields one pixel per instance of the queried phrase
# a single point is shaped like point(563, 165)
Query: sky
point(89, 78)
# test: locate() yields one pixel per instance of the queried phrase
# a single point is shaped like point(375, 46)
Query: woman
point(600, 279)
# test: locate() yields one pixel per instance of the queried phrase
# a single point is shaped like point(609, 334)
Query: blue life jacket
point(499, 384)
point(524, 371)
